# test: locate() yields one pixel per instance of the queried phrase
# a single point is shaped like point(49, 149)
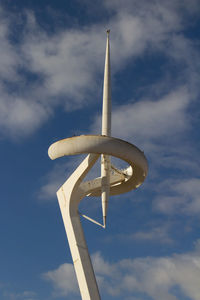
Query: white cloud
point(20, 114)
point(8, 293)
point(162, 9)
point(151, 124)
point(158, 234)
point(182, 197)
point(157, 277)
point(68, 62)
point(153, 119)
point(78, 53)
point(20, 117)
point(53, 181)
point(56, 177)
point(63, 280)
point(8, 57)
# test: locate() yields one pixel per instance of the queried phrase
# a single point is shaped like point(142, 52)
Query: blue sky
point(51, 75)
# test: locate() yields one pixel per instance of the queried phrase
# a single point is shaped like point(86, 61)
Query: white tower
point(106, 130)
point(112, 182)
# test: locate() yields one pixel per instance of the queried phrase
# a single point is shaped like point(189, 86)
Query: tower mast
point(106, 130)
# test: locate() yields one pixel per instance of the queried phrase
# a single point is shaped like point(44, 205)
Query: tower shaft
point(106, 130)
point(106, 111)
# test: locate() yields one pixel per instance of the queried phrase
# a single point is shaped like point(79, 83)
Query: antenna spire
point(106, 111)
point(106, 130)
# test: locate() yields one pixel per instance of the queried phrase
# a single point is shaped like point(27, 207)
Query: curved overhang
point(100, 144)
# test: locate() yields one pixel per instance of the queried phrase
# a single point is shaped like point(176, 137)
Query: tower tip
point(108, 31)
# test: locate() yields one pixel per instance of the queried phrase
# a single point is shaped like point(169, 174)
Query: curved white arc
point(110, 146)
point(69, 196)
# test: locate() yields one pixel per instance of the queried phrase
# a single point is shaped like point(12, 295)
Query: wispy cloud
point(9, 56)
point(157, 234)
point(9, 293)
point(66, 64)
point(56, 177)
point(160, 278)
point(153, 120)
point(63, 279)
point(182, 197)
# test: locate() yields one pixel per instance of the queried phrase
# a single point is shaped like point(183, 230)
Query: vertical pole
point(106, 130)
point(106, 111)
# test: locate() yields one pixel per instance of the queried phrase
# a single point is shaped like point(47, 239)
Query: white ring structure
point(74, 190)
point(98, 144)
